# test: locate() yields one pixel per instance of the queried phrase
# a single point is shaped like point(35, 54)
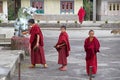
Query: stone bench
point(8, 62)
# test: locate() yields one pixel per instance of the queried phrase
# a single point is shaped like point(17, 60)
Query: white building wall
point(25, 3)
point(52, 6)
point(106, 14)
point(77, 5)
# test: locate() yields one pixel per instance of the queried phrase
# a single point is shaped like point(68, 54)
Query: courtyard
point(100, 15)
point(108, 58)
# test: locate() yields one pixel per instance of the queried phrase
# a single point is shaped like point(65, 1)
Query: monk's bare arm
point(58, 46)
point(38, 39)
point(63, 44)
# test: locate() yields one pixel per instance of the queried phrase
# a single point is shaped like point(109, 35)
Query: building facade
point(3, 10)
point(54, 6)
point(108, 10)
point(103, 10)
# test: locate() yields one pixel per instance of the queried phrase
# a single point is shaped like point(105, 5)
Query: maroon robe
point(37, 56)
point(81, 14)
point(63, 50)
point(91, 48)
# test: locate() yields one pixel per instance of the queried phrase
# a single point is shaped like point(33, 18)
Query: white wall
point(52, 6)
point(77, 5)
point(25, 3)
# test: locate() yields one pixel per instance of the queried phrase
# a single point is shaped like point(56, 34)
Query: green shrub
point(0, 21)
point(88, 6)
point(11, 15)
point(106, 22)
point(58, 22)
point(11, 11)
point(75, 22)
point(38, 21)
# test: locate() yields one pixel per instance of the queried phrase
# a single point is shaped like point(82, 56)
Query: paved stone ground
point(108, 58)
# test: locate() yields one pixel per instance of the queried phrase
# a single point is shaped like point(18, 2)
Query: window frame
point(118, 6)
point(110, 7)
point(1, 5)
point(68, 8)
point(32, 2)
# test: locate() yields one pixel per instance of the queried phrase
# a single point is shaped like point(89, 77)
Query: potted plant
point(38, 21)
point(58, 22)
point(0, 21)
point(106, 22)
point(76, 23)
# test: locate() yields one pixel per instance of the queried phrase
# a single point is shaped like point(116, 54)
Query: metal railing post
point(19, 69)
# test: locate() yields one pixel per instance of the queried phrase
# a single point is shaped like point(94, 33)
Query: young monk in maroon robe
point(63, 48)
point(81, 14)
point(91, 46)
point(36, 45)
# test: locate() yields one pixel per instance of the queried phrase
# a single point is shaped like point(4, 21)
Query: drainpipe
point(94, 11)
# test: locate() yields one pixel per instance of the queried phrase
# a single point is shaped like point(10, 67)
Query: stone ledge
point(8, 62)
point(111, 25)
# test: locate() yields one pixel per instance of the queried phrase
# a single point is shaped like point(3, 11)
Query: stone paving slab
point(8, 62)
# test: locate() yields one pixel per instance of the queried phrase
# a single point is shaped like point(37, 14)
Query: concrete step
point(8, 62)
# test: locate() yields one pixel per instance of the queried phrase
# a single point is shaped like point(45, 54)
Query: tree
point(88, 6)
point(11, 10)
point(13, 7)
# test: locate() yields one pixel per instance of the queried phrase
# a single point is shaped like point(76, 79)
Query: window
point(1, 7)
point(63, 6)
point(39, 5)
point(67, 7)
point(110, 7)
point(71, 7)
point(118, 6)
point(114, 7)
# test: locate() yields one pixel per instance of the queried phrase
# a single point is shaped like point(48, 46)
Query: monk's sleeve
point(64, 40)
point(36, 30)
point(97, 47)
point(78, 12)
point(32, 37)
point(39, 32)
point(85, 45)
